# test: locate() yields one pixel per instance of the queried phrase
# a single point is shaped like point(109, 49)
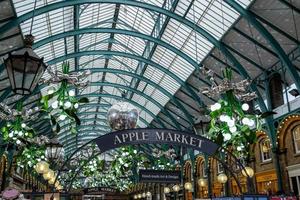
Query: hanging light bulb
point(248, 171)
point(188, 186)
point(49, 174)
point(167, 190)
point(176, 188)
point(202, 182)
point(148, 194)
point(222, 178)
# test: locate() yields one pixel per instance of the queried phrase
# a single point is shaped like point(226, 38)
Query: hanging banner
point(155, 136)
point(159, 176)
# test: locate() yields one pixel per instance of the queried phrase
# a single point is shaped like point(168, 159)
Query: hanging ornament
point(239, 89)
point(76, 79)
point(230, 124)
point(63, 100)
point(10, 114)
point(122, 116)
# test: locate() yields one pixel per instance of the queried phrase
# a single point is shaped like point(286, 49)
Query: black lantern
point(54, 151)
point(24, 68)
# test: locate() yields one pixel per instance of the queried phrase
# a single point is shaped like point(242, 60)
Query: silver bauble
point(122, 116)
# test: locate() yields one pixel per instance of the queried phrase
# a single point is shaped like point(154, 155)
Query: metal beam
point(5, 94)
point(142, 78)
point(124, 54)
point(290, 5)
point(129, 3)
point(122, 32)
point(271, 40)
point(109, 47)
point(157, 32)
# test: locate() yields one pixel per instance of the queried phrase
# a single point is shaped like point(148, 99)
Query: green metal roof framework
point(164, 14)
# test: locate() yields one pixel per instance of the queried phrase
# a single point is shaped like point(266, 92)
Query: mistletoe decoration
point(63, 100)
point(31, 155)
point(15, 131)
point(231, 124)
point(30, 148)
point(126, 159)
point(164, 158)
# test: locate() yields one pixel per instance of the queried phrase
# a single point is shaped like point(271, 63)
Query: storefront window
point(265, 149)
point(296, 135)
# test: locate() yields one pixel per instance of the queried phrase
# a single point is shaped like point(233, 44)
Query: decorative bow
point(74, 78)
point(9, 114)
point(240, 89)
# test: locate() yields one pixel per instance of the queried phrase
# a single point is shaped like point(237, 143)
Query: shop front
point(266, 182)
point(294, 178)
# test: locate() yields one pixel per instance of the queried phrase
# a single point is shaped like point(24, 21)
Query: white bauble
point(227, 136)
point(71, 93)
point(217, 106)
point(245, 107)
point(54, 105)
point(245, 121)
point(62, 117)
point(67, 104)
point(251, 122)
point(230, 123)
point(76, 105)
point(233, 129)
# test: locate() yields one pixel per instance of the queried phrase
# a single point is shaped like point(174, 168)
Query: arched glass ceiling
point(153, 55)
point(214, 16)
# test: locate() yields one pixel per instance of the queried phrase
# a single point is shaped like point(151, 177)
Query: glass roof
point(123, 51)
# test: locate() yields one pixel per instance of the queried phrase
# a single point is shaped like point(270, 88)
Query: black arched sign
point(121, 138)
point(155, 136)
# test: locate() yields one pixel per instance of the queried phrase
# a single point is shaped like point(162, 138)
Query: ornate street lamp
point(24, 68)
point(54, 151)
point(222, 178)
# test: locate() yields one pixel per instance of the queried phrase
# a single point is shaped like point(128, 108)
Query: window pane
point(265, 148)
point(296, 134)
